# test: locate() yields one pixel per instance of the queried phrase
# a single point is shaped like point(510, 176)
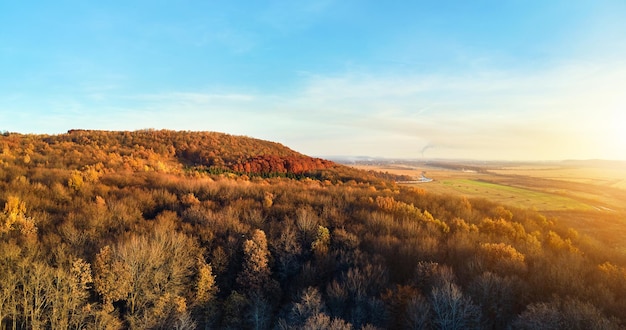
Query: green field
point(514, 196)
point(587, 196)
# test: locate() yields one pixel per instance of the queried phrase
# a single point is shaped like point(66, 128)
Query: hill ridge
point(210, 150)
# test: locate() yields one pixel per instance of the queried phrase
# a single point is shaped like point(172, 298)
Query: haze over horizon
point(493, 80)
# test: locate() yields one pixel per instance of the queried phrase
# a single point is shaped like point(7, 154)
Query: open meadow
point(589, 196)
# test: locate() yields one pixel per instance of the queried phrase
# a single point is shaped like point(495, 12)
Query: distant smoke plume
point(426, 147)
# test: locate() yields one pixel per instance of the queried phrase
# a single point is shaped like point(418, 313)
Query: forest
point(158, 229)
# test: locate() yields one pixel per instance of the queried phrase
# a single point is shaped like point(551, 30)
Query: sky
point(485, 80)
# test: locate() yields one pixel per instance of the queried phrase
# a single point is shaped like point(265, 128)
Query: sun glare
point(617, 135)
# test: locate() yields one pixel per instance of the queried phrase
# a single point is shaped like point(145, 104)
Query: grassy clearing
point(514, 196)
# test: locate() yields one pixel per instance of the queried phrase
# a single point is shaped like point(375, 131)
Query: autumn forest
point(160, 229)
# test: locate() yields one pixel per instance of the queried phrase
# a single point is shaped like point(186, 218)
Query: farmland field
point(518, 197)
point(588, 196)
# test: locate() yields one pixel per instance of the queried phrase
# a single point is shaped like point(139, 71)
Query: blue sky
point(510, 80)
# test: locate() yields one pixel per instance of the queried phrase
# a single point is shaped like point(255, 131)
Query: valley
point(587, 195)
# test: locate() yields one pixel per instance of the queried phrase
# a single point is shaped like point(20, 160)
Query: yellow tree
point(112, 277)
point(206, 289)
point(144, 270)
point(322, 242)
point(14, 211)
point(255, 279)
point(256, 271)
point(14, 218)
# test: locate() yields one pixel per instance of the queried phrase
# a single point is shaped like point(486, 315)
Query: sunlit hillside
point(193, 230)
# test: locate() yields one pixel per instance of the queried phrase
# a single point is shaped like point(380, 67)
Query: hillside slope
point(207, 149)
point(162, 230)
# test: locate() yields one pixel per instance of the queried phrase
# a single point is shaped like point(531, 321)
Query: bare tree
point(259, 312)
point(69, 295)
point(286, 251)
point(35, 279)
point(498, 297)
point(564, 314)
point(417, 314)
point(453, 311)
point(8, 289)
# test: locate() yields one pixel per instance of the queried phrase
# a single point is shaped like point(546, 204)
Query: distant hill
point(156, 149)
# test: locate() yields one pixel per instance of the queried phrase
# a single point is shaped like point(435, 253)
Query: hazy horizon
point(492, 80)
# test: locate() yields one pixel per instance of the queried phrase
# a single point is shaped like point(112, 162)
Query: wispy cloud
point(567, 111)
point(557, 113)
point(542, 113)
point(194, 97)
